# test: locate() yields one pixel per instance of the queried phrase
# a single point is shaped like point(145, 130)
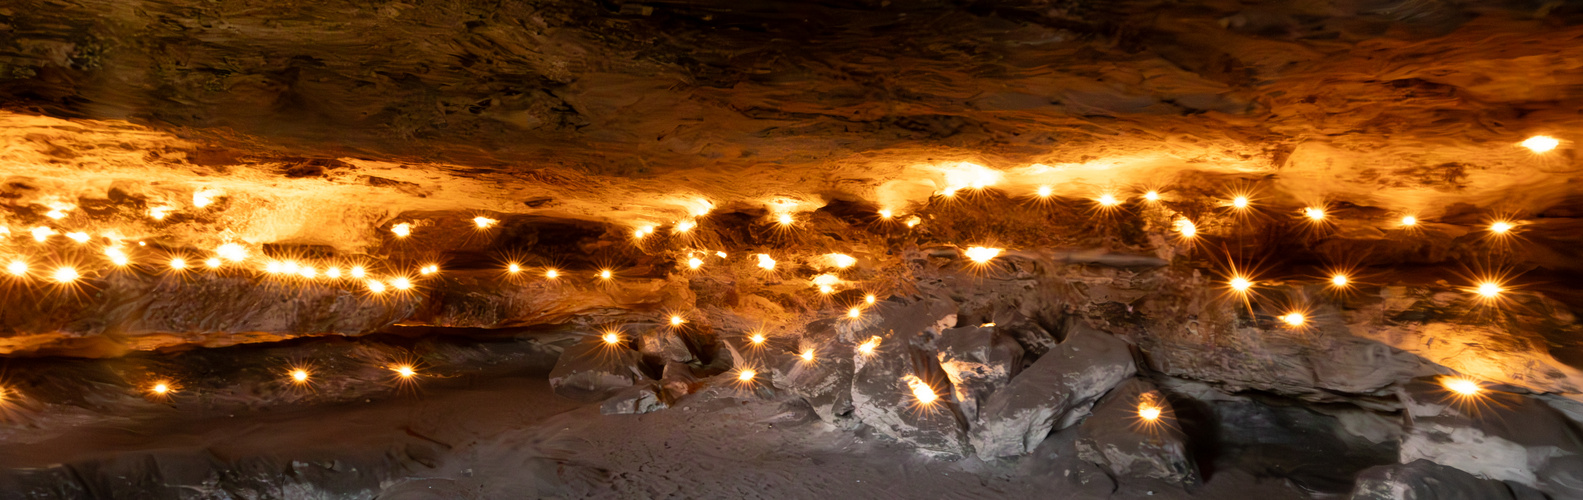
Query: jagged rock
point(664, 344)
point(883, 398)
point(825, 382)
point(642, 398)
point(979, 361)
point(1117, 438)
point(1425, 480)
point(1034, 339)
point(150, 311)
point(1213, 345)
point(1052, 393)
point(1499, 436)
point(591, 370)
point(745, 353)
point(678, 380)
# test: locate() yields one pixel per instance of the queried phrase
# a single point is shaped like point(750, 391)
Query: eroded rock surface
point(979, 361)
point(591, 370)
point(1425, 480)
point(1053, 393)
point(883, 397)
point(1133, 432)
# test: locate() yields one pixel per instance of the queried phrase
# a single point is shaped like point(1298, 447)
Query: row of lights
point(299, 376)
point(922, 392)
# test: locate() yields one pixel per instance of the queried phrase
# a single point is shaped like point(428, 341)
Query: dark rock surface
point(1425, 480)
point(1053, 393)
point(591, 370)
point(979, 361)
point(1502, 437)
point(883, 397)
point(1118, 437)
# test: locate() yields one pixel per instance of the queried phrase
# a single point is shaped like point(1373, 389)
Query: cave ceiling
point(628, 112)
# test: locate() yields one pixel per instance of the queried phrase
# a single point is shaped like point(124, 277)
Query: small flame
point(867, 347)
point(921, 390)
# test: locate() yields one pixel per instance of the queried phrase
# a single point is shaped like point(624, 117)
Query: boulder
point(979, 361)
point(591, 370)
point(641, 398)
point(1425, 480)
point(825, 382)
point(661, 344)
point(1052, 393)
point(1120, 440)
point(1494, 435)
point(678, 380)
point(883, 397)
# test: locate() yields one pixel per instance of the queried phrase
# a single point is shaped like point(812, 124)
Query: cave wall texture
point(716, 156)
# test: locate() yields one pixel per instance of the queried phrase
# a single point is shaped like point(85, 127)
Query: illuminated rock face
point(1127, 436)
point(1034, 201)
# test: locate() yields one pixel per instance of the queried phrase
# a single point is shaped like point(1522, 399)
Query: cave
point(1091, 249)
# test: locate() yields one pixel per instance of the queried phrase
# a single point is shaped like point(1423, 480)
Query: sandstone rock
point(1425, 480)
point(883, 398)
point(1052, 393)
point(590, 371)
point(1116, 438)
point(979, 361)
point(642, 398)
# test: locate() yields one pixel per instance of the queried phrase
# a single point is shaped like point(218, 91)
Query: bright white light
point(841, 260)
point(65, 274)
point(1541, 143)
point(1489, 289)
point(203, 197)
point(1149, 412)
point(232, 252)
point(981, 255)
point(1240, 284)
